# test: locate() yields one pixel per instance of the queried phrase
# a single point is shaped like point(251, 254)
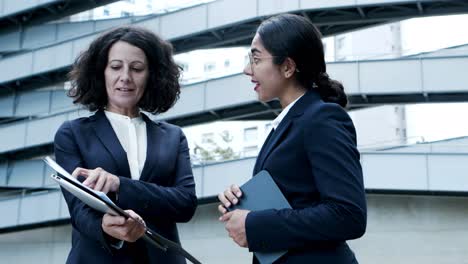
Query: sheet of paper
point(55, 166)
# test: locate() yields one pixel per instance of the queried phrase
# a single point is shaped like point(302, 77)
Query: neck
point(291, 94)
point(130, 112)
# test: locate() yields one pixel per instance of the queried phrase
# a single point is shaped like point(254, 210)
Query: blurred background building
point(403, 65)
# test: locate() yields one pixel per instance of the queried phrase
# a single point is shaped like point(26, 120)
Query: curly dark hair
point(87, 74)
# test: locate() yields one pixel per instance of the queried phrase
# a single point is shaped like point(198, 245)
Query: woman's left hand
point(124, 229)
point(98, 179)
point(234, 223)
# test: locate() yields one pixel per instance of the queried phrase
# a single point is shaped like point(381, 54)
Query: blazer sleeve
point(330, 143)
point(83, 218)
point(176, 203)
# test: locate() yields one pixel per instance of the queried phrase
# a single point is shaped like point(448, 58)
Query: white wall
point(373, 43)
point(379, 126)
point(401, 229)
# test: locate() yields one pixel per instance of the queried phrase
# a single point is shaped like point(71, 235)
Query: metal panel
point(110, 23)
point(453, 146)
point(16, 66)
point(217, 177)
point(458, 145)
point(70, 30)
point(377, 2)
point(6, 106)
point(3, 173)
point(27, 173)
point(60, 101)
point(9, 209)
point(64, 213)
point(390, 76)
point(184, 22)
point(31, 103)
point(224, 12)
point(42, 131)
point(13, 136)
point(152, 24)
point(34, 102)
point(448, 172)
point(36, 36)
point(81, 45)
point(171, 26)
point(10, 41)
point(347, 74)
point(198, 178)
point(230, 90)
point(14, 6)
point(46, 1)
point(192, 100)
point(53, 58)
point(322, 4)
point(421, 148)
point(270, 7)
point(77, 114)
point(49, 208)
point(395, 171)
point(445, 74)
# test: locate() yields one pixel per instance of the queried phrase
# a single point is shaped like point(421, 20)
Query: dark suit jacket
point(312, 157)
point(164, 195)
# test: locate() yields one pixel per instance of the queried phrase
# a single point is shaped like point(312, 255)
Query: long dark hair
point(162, 88)
point(293, 36)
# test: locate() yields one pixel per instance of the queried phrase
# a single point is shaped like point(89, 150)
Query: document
point(102, 203)
point(262, 193)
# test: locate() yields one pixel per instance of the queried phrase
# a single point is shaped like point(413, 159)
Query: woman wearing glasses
point(310, 153)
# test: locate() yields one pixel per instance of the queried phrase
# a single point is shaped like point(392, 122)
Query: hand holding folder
point(101, 202)
point(261, 193)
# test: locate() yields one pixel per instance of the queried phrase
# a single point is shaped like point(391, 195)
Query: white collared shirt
point(131, 133)
point(275, 123)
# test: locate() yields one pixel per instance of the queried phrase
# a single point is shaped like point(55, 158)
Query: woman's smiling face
point(266, 75)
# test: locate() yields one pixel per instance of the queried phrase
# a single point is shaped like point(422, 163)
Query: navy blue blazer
point(164, 195)
point(312, 156)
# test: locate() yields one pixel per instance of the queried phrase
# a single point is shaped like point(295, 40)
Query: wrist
point(116, 184)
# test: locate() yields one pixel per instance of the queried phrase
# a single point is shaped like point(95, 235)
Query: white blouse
point(275, 123)
point(131, 133)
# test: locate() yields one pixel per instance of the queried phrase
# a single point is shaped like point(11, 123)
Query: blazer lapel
point(262, 150)
point(154, 135)
point(297, 110)
point(107, 136)
point(271, 144)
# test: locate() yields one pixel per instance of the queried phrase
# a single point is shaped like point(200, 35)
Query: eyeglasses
point(255, 60)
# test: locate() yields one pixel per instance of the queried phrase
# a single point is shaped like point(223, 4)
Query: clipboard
point(102, 203)
point(261, 193)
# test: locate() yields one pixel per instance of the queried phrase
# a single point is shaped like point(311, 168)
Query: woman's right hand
point(98, 179)
point(229, 197)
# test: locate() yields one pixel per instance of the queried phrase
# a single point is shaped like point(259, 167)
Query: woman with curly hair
point(141, 164)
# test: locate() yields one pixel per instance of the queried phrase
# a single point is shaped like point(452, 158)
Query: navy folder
point(261, 193)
